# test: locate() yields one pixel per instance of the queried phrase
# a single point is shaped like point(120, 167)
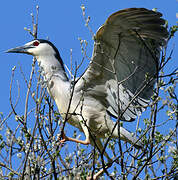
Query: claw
point(62, 139)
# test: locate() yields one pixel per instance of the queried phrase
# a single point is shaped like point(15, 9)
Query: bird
point(118, 82)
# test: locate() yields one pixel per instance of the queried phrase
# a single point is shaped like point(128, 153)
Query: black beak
point(20, 49)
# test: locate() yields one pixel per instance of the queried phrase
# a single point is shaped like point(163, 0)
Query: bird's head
point(40, 49)
point(37, 47)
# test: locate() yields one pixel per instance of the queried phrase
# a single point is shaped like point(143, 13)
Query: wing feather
point(126, 52)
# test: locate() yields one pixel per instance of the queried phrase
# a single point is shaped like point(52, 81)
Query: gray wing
point(125, 61)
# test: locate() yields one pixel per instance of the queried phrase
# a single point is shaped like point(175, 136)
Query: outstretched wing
point(125, 61)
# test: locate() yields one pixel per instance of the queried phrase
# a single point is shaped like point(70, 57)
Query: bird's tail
point(127, 136)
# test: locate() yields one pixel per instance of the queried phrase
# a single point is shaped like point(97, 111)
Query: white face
point(36, 48)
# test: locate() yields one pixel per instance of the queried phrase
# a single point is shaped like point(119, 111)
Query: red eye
point(36, 43)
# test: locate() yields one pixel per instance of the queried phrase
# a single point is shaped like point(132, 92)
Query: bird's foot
point(62, 139)
point(91, 177)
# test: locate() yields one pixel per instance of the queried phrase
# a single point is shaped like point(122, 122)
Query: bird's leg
point(65, 138)
point(99, 173)
point(100, 146)
point(85, 142)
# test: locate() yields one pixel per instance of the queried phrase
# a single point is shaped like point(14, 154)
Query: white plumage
point(119, 80)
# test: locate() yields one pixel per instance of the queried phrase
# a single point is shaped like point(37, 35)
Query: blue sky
point(62, 23)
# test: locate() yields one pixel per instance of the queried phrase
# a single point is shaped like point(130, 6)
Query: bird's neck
point(57, 82)
point(51, 68)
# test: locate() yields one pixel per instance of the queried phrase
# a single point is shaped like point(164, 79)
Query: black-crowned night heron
point(118, 81)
